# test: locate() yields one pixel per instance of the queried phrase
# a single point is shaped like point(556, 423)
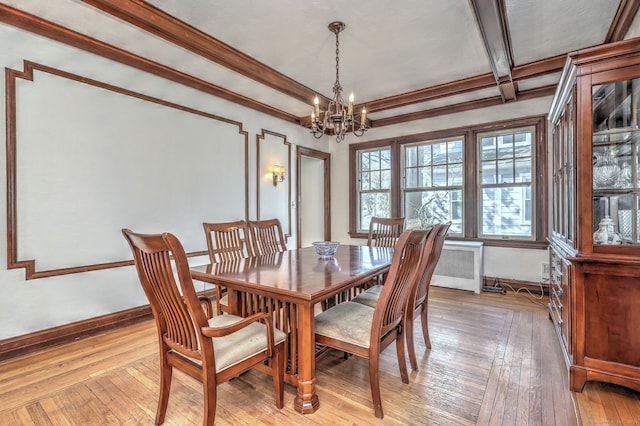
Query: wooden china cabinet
point(594, 300)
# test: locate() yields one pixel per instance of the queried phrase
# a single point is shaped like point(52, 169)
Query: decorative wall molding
point(11, 77)
point(259, 173)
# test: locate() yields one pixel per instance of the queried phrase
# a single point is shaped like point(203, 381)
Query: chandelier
point(338, 119)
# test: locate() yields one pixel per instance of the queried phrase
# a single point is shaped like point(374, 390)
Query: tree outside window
point(433, 180)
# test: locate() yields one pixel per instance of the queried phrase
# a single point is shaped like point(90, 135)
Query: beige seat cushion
point(369, 297)
point(348, 321)
point(242, 344)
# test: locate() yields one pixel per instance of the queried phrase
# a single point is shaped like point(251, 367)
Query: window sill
point(488, 242)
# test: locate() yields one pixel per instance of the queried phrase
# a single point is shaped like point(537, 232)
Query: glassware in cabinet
point(616, 178)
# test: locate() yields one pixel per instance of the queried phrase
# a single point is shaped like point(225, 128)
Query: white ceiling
point(387, 49)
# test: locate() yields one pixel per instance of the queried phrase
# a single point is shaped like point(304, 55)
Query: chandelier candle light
point(338, 119)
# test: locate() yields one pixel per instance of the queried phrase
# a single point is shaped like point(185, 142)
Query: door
point(313, 196)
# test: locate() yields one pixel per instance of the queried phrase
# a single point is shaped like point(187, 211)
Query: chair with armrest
point(226, 241)
point(267, 236)
point(211, 350)
point(384, 231)
point(364, 331)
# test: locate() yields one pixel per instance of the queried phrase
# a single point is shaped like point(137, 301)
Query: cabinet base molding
point(579, 376)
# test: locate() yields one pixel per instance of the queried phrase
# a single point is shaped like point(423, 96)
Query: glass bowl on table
point(326, 249)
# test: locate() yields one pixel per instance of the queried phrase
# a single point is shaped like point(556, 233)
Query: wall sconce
point(278, 173)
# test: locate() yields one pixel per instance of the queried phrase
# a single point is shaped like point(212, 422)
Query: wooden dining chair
point(364, 331)
point(226, 241)
point(371, 294)
point(211, 350)
point(384, 231)
point(267, 236)
point(419, 296)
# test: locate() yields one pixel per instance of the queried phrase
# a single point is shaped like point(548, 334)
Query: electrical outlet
point(545, 269)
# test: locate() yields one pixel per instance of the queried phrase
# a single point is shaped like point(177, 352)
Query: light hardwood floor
point(495, 361)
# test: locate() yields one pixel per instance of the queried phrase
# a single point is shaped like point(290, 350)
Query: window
point(506, 163)
point(488, 180)
point(432, 184)
point(374, 185)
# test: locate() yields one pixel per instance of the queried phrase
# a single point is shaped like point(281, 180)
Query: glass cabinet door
point(616, 178)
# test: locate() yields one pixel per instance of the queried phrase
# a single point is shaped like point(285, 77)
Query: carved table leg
point(306, 401)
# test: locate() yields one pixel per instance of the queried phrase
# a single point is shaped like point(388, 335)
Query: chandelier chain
point(338, 119)
point(337, 84)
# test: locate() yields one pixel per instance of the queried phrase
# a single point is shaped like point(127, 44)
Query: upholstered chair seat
point(369, 297)
point(241, 345)
point(348, 321)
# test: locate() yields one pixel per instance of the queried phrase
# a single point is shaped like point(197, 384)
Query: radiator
point(460, 266)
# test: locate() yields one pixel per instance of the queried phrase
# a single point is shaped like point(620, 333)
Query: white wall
point(634, 30)
point(72, 199)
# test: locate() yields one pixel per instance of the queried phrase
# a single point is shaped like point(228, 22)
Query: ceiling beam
point(622, 20)
point(522, 72)
point(44, 28)
point(463, 106)
point(155, 21)
point(492, 22)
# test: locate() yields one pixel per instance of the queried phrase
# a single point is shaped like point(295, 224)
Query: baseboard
point(513, 285)
point(26, 344)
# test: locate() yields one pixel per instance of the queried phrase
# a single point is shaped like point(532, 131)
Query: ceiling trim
point(67, 36)
point(155, 21)
point(463, 106)
point(539, 68)
point(434, 92)
point(622, 20)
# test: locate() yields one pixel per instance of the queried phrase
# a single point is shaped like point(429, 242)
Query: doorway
point(313, 196)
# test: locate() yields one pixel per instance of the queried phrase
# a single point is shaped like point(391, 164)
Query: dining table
point(293, 285)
